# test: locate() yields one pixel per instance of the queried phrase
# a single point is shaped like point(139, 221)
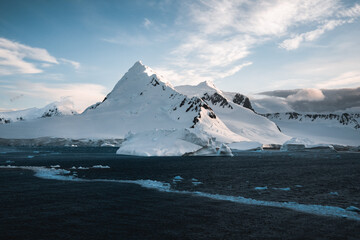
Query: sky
point(77, 50)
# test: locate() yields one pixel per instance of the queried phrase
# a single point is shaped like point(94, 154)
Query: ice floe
point(100, 166)
point(320, 210)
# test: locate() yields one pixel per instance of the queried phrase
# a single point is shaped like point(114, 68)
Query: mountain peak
point(139, 78)
point(138, 67)
point(207, 83)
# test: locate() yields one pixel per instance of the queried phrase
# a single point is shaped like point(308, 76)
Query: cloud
point(17, 58)
point(147, 23)
point(334, 100)
point(221, 34)
point(75, 64)
point(350, 79)
point(83, 95)
point(352, 12)
point(12, 55)
point(309, 95)
point(294, 43)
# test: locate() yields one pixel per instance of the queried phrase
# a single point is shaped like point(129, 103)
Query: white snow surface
point(160, 143)
point(245, 146)
point(270, 104)
point(168, 121)
point(238, 119)
point(141, 101)
point(60, 108)
point(320, 131)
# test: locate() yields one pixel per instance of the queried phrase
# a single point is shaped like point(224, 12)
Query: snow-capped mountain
point(351, 120)
point(141, 101)
point(154, 118)
point(235, 110)
point(60, 108)
point(334, 128)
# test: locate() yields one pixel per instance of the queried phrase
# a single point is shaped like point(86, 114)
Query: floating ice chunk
point(196, 183)
point(36, 151)
point(261, 188)
point(282, 189)
point(82, 168)
point(30, 156)
point(224, 150)
point(334, 193)
point(175, 142)
point(100, 166)
point(353, 209)
point(245, 146)
point(55, 166)
point(107, 145)
point(9, 161)
point(73, 167)
point(177, 179)
point(298, 186)
point(330, 211)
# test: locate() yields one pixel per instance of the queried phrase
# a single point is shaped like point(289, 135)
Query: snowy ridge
point(61, 108)
point(346, 119)
point(332, 128)
point(145, 104)
point(156, 119)
point(235, 111)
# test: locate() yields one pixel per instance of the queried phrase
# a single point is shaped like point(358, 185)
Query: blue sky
point(78, 50)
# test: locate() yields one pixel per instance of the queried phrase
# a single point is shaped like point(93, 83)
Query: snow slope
point(239, 119)
point(141, 101)
point(330, 128)
point(61, 108)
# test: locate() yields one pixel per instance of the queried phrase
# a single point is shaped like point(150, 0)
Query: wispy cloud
point(83, 95)
point(17, 58)
point(147, 23)
point(75, 64)
point(347, 79)
point(294, 42)
point(224, 33)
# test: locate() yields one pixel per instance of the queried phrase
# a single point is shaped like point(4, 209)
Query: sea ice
point(100, 166)
point(177, 179)
point(330, 211)
point(282, 189)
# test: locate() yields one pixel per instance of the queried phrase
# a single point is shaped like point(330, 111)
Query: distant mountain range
point(61, 108)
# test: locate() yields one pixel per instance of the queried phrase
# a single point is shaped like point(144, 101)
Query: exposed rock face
point(349, 119)
point(216, 99)
point(242, 100)
point(50, 110)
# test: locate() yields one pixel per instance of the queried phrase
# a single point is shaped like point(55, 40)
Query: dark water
point(36, 208)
